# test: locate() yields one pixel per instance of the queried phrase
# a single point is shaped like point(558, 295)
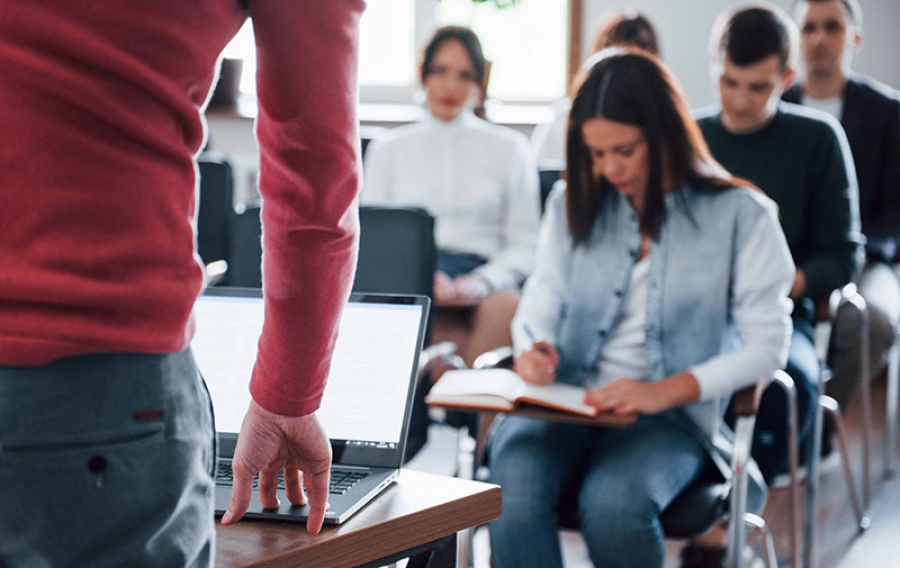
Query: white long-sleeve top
point(548, 142)
point(721, 263)
point(478, 180)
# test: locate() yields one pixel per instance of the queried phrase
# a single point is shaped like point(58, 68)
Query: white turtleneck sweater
point(478, 180)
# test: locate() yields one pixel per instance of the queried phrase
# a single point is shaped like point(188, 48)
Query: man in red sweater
point(106, 437)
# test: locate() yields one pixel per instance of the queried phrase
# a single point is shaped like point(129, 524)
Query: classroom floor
point(839, 544)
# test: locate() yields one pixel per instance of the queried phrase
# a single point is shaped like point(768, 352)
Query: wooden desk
point(420, 512)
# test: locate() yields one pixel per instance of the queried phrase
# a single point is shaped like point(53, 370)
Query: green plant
point(497, 3)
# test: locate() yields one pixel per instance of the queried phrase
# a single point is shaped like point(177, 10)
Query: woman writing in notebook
point(661, 286)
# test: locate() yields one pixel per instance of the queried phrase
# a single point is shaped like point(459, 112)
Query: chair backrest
point(216, 208)
point(397, 254)
point(245, 248)
point(367, 134)
point(549, 173)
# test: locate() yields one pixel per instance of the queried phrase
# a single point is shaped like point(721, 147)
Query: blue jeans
point(454, 264)
point(770, 439)
point(105, 460)
point(629, 477)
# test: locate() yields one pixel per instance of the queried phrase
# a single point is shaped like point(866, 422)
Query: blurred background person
point(830, 35)
point(800, 159)
point(479, 182)
point(616, 27)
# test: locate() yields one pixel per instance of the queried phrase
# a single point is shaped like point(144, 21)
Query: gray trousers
point(106, 460)
point(880, 286)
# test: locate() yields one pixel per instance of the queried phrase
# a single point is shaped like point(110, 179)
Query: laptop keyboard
point(341, 479)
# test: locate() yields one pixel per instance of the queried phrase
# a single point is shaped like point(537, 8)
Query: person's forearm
point(799, 286)
point(309, 181)
point(678, 390)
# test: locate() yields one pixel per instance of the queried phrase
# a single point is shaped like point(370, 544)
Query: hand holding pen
point(537, 364)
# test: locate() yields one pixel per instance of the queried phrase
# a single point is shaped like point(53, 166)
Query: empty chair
point(397, 255)
point(549, 172)
point(245, 248)
point(846, 298)
point(215, 208)
point(367, 134)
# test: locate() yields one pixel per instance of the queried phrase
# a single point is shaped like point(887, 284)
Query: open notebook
point(367, 402)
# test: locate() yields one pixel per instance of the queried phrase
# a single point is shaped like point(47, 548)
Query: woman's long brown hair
point(633, 87)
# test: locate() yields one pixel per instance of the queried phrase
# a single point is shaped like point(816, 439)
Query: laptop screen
point(366, 405)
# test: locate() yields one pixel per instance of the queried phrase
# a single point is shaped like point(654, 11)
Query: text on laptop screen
point(366, 396)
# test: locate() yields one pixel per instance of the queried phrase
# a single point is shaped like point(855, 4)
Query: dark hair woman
point(660, 287)
point(615, 28)
point(628, 88)
point(626, 28)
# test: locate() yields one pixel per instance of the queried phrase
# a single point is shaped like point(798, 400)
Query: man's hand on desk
point(269, 443)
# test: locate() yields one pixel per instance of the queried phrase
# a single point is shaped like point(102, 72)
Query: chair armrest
point(215, 272)
point(746, 400)
point(501, 357)
point(828, 305)
point(439, 354)
point(746, 404)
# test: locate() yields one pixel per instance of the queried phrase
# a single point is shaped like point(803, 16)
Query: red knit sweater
point(101, 117)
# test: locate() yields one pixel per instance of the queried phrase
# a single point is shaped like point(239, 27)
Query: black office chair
point(710, 498)
point(846, 298)
point(367, 134)
point(215, 210)
point(549, 172)
point(216, 207)
point(245, 247)
point(397, 255)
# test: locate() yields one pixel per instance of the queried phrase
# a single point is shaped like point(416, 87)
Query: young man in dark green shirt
point(800, 158)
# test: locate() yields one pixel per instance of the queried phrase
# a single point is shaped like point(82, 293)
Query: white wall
point(684, 27)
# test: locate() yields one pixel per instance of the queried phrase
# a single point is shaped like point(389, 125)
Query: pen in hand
point(534, 341)
point(537, 364)
point(539, 346)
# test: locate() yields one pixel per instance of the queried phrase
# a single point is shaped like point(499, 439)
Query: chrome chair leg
point(851, 297)
point(891, 401)
point(832, 409)
point(786, 383)
point(812, 480)
point(848, 297)
point(758, 525)
point(737, 532)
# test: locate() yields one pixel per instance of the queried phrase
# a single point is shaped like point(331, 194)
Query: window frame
point(426, 21)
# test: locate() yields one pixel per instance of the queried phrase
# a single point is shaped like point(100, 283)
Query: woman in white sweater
point(478, 180)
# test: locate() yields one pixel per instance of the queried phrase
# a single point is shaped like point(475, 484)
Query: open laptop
point(367, 402)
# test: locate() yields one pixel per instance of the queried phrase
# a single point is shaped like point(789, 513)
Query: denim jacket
point(719, 276)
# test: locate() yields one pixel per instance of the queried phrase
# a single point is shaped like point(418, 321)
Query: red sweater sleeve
point(309, 181)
